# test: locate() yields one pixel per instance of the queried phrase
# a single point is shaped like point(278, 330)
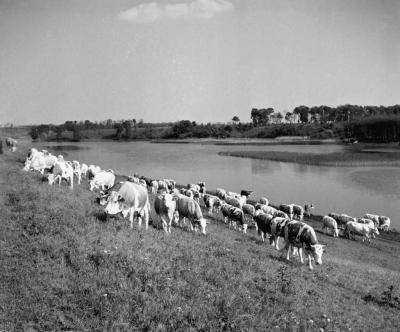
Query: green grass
point(345, 158)
point(64, 267)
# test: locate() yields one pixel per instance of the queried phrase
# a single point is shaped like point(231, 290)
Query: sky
point(201, 60)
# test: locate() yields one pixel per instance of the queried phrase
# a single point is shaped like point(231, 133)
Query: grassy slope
point(346, 158)
point(65, 268)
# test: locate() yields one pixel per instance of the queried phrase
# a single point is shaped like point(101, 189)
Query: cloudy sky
point(203, 60)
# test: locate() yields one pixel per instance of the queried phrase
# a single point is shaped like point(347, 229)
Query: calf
point(263, 222)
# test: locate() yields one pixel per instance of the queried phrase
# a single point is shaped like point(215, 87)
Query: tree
point(302, 111)
point(236, 120)
point(289, 117)
point(118, 126)
point(127, 125)
point(260, 117)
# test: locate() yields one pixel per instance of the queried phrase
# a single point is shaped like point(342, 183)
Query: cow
point(77, 170)
point(341, 219)
point(162, 186)
point(234, 201)
point(202, 190)
point(307, 209)
point(242, 197)
point(212, 203)
point(330, 223)
point(102, 179)
point(171, 184)
point(153, 187)
point(263, 222)
point(266, 209)
point(360, 229)
point(84, 170)
point(384, 223)
point(165, 206)
point(193, 186)
point(249, 210)
point(220, 193)
point(298, 212)
point(40, 162)
point(188, 208)
point(128, 199)
point(264, 201)
point(92, 171)
point(287, 208)
point(11, 144)
point(281, 214)
point(368, 222)
point(235, 216)
point(302, 236)
point(62, 170)
point(277, 230)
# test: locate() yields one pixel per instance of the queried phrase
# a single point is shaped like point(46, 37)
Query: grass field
point(345, 158)
point(65, 267)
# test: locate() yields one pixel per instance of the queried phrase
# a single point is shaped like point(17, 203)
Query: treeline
point(377, 129)
point(321, 114)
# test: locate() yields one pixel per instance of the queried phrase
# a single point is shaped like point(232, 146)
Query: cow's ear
point(121, 199)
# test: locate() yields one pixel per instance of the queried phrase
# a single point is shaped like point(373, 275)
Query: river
point(351, 190)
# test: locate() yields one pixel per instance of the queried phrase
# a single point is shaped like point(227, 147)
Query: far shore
point(345, 158)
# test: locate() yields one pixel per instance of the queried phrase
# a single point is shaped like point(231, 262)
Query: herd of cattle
point(174, 205)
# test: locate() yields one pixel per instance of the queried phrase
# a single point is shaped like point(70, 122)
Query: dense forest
point(347, 122)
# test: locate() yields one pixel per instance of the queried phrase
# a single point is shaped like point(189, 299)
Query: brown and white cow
point(302, 236)
point(330, 223)
point(263, 222)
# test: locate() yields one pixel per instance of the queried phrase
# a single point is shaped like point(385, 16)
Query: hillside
point(66, 267)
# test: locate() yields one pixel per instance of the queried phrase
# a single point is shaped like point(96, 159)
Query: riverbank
point(345, 158)
point(66, 267)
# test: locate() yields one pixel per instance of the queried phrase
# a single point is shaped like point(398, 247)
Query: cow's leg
point(262, 236)
point(287, 247)
point(244, 228)
point(309, 262)
point(300, 250)
point(146, 218)
point(164, 223)
point(131, 213)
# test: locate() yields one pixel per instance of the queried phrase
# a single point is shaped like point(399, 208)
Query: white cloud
point(150, 12)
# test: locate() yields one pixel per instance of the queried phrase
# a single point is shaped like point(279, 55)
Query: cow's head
point(203, 224)
point(317, 250)
point(375, 231)
point(115, 203)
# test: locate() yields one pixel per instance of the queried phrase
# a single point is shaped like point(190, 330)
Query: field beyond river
point(66, 267)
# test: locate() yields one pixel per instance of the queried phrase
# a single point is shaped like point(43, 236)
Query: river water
point(351, 190)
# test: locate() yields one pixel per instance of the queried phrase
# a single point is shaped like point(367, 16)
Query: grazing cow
point(92, 171)
point(287, 208)
point(249, 210)
point(298, 212)
point(345, 218)
point(11, 144)
point(384, 223)
point(62, 170)
point(84, 170)
point(220, 193)
point(266, 209)
point(360, 229)
point(153, 187)
point(188, 208)
point(234, 201)
point(368, 222)
point(263, 222)
point(281, 214)
point(330, 223)
point(102, 179)
point(77, 170)
point(373, 217)
point(32, 153)
point(165, 206)
point(235, 216)
point(302, 236)
point(277, 230)
point(307, 209)
point(128, 199)
point(212, 203)
point(40, 162)
point(264, 201)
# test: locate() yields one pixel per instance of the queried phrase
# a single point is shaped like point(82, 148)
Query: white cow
point(77, 170)
point(40, 162)
point(365, 230)
point(84, 170)
point(188, 208)
point(330, 223)
point(102, 179)
point(62, 170)
point(165, 206)
point(128, 199)
point(92, 171)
